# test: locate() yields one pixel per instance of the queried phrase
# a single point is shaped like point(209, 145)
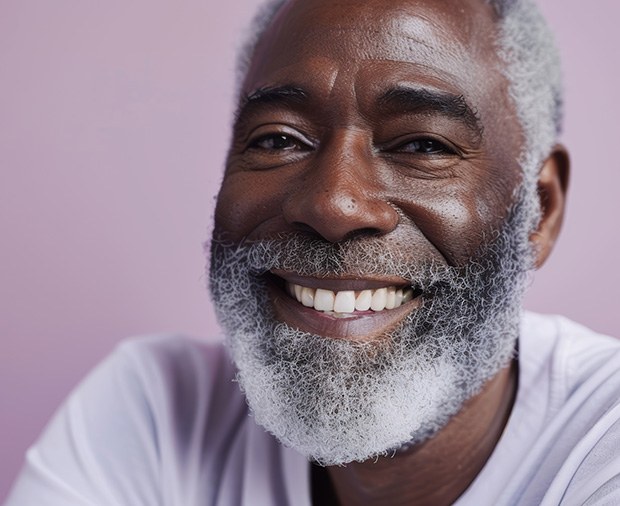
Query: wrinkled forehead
point(445, 36)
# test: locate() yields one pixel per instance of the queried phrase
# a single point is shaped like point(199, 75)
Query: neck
point(438, 471)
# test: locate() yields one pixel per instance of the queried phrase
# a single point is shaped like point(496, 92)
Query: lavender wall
point(113, 121)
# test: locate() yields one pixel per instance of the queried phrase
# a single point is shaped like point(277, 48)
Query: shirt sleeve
point(100, 448)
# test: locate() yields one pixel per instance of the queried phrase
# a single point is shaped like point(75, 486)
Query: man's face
point(377, 140)
point(367, 120)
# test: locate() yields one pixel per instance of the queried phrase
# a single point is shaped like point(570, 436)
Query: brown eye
point(425, 147)
point(277, 142)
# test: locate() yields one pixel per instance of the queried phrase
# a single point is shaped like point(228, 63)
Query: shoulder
point(574, 353)
point(183, 386)
point(163, 361)
point(170, 349)
point(163, 371)
point(138, 427)
point(579, 369)
point(582, 428)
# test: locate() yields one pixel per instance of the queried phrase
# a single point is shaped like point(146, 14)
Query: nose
point(340, 196)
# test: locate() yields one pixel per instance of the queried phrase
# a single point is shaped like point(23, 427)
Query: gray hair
point(531, 66)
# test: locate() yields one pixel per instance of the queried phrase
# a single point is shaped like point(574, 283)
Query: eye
point(424, 146)
point(278, 142)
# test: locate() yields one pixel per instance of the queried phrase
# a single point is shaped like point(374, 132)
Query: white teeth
point(323, 300)
point(307, 296)
point(390, 299)
point(379, 298)
point(298, 290)
point(343, 303)
point(362, 303)
point(399, 297)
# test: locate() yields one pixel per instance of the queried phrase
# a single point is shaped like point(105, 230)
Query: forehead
point(451, 40)
point(346, 54)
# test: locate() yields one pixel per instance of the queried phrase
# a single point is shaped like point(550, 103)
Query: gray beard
point(337, 401)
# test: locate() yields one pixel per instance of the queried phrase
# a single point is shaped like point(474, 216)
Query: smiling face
point(374, 156)
point(357, 120)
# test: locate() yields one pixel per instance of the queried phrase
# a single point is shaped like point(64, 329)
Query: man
point(393, 177)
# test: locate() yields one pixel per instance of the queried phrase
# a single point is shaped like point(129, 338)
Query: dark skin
point(388, 119)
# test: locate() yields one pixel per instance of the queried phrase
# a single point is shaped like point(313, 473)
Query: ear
point(552, 186)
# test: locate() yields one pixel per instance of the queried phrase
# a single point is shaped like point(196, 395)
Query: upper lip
point(344, 282)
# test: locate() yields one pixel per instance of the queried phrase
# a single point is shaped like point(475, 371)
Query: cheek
point(247, 204)
point(457, 220)
point(453, 226)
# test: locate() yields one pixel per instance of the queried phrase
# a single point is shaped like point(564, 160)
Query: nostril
point(353, 234)
point(306, 229)
point(363, 232)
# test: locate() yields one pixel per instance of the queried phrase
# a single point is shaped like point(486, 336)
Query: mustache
point(313, 257)
point(504, 252)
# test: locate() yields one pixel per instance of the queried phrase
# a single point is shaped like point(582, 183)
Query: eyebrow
point(284, 95)
point(400, 99)
point(405, 98)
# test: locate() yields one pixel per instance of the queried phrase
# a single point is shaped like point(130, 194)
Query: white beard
point(338, 401)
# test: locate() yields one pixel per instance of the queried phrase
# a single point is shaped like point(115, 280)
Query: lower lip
point(359, 326)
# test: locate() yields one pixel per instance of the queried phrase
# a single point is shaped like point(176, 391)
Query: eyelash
point(292, 141)
point(426, 146)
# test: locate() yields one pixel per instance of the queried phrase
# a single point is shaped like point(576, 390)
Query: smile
point(349, 308)
point(345, 303)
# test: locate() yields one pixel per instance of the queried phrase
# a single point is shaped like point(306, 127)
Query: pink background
point(113, 128)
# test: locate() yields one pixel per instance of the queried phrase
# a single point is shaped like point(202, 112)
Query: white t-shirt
point(161, 422)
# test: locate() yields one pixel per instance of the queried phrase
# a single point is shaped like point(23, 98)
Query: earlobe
point(552, 187)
